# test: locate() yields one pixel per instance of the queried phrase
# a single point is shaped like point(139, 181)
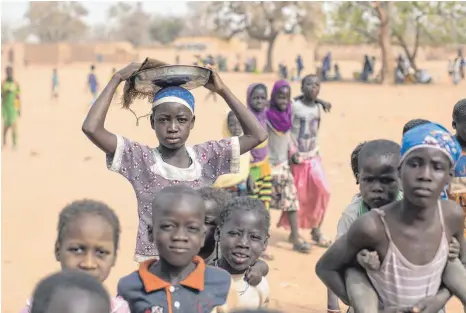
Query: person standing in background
point(93, 84)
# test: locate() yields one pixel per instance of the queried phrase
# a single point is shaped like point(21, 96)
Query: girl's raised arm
point(254, 133)
point(93, 125)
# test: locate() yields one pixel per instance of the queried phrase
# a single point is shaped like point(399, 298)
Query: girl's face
point(282, 98)
point(234, 126)
point(242, 240)
point(311, 87)
point(88, 245)
point(259, 99)
point(172, 123)
point(424, 174)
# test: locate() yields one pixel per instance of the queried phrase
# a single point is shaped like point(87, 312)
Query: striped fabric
point(403, 284)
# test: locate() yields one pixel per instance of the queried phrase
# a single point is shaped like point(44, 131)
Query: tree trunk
point(388, 70)
point(270, 44)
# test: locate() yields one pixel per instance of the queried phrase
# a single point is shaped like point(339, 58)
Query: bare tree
point(129, 22)
point(383, 12)
point(259, 20)
point(198, 21)
point(54, 21)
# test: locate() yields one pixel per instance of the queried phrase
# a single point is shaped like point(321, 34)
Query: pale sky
point(13, 11)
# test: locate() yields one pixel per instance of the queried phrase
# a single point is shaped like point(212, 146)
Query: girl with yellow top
point(238, 184)
point(260, 169)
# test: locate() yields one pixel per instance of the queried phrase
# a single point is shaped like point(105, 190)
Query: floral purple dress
point(144, 168)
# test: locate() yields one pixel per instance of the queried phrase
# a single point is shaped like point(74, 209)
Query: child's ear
point(152, 121)
point(193, 120)
point(266, 243)
point(57, 251)
point(204, 235)
point(453, 124)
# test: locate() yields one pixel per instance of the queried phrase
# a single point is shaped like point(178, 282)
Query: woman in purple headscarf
point(260, 170)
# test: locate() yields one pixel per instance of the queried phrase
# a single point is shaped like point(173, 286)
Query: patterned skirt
point(263, 180)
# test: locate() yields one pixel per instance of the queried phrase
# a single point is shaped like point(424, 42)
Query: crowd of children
point(204, 220)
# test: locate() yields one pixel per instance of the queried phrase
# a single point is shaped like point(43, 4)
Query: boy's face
point(378, 180)
point(311, 87)
point(179, 230)
point(88, 245)
point(172, 123)
point(424, 174)
point(282, 98)
point(460, 127)
point(211, 223)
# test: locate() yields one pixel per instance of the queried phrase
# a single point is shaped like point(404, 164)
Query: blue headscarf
point(174, 94)
point(431, 135)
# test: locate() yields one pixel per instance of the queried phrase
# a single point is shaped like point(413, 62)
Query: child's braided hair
point(244, 204)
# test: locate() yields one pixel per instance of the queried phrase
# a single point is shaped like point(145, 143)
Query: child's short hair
point(379, 147)
point(354, 160)
point(217, 195)
point(87, 206)
point(244, 204)
point(174, 192)
point(413, 123)
point(307, 77)
point(72, 279)
point(459, 111)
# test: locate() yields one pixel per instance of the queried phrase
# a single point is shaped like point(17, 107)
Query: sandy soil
point(55, 164)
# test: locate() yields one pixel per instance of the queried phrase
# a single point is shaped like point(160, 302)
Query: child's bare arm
point(361, 294)
point(254, 133)
point(363, 234)
point(257, 271)
point(454, 274)
point(93, 125)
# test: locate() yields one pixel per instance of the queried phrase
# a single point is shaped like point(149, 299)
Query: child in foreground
point(376, 172)
point(179, 280)
point(280, 145)
point(70, 291)
point(428, 152)
point(237, 184)
point(87, 240)
point(215, 201)
point(242, 235)
point(149, 170)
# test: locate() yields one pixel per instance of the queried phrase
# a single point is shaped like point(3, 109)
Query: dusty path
point(55, 164)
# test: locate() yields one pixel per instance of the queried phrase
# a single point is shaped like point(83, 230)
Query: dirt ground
point(55, 164)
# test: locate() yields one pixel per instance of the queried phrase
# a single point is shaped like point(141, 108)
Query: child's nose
point(88, 262)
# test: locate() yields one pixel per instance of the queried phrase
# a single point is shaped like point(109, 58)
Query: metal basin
point(186, 76)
